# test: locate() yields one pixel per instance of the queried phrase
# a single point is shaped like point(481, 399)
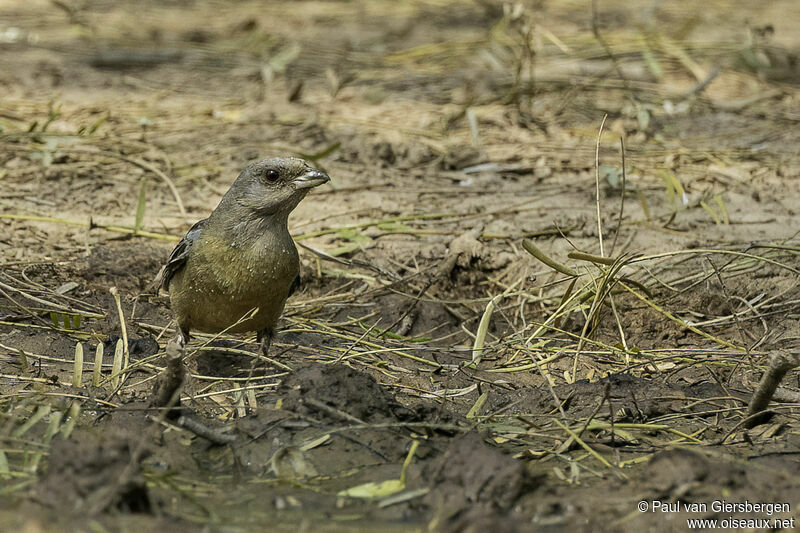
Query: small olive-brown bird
point(233, 271)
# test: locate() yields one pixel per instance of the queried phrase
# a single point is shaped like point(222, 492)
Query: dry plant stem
point(347, 262)
point(361, 338)
point(77, 372)
point(559, 403)
point(699, 251)
point(555, 265)
point(87, 309)
point(115, 293)
point(606, 395)
point(30, 312)
point(116, 367)
point(167, 180)
point(619, 327)
point(32, 392)
point(98, 365)
point(566, 304)
point(601, 292)
point(597, 259)
point(483, 327)
point(332, 333)
point(597, 182)
point(47, 303)
point(363, 225)
point(589, 449)
point(91, 225)
point(779, 365)
point(621, 197)
point(212, 435)
point(407, 323)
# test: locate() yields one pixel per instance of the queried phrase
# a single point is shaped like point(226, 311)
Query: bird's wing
point(177, 259)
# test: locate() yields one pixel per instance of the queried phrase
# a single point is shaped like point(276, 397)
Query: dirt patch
point(347, 393)
point(473, 481)
point(124, 265)
point(93, 473)
point(628, 398)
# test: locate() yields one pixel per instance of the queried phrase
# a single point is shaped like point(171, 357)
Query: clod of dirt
point(385, 154)
point(334, 392)
point(461, 156)
point(637, 398)
point(92, 473)
point(472, 477)
point(681, 475)
point(138, 347)
point(632, 398)
point(466, 247)
point(676, 471)
point(426, 411)
point(168, 385)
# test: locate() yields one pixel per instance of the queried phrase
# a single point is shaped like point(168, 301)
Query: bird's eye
point(272, 175)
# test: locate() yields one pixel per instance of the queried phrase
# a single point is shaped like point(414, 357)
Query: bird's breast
point(242, 269)
point(225, 280)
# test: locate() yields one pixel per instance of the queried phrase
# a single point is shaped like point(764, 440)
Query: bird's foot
point(181, 339)
point(176, 343)
point(264, 341)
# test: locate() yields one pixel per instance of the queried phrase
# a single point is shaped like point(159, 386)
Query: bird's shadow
point(224, 358)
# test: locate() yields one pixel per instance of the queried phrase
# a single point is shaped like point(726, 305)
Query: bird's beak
point(312, 178)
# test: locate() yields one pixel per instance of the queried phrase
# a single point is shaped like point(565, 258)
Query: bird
point(233, 271)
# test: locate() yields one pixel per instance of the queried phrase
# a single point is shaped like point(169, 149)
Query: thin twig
point(779, 365)
point(621, 196)
point(597, 183)
point(115, 293)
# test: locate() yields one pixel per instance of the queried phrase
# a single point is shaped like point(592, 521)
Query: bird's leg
point(182, 338)
point(264, 337)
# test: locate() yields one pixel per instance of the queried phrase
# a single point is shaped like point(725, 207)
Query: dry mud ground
point(453, 131)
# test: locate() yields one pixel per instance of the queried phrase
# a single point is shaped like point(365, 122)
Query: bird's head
point(274, 186)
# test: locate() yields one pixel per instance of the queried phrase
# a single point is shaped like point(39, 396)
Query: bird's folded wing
point(177, 259)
